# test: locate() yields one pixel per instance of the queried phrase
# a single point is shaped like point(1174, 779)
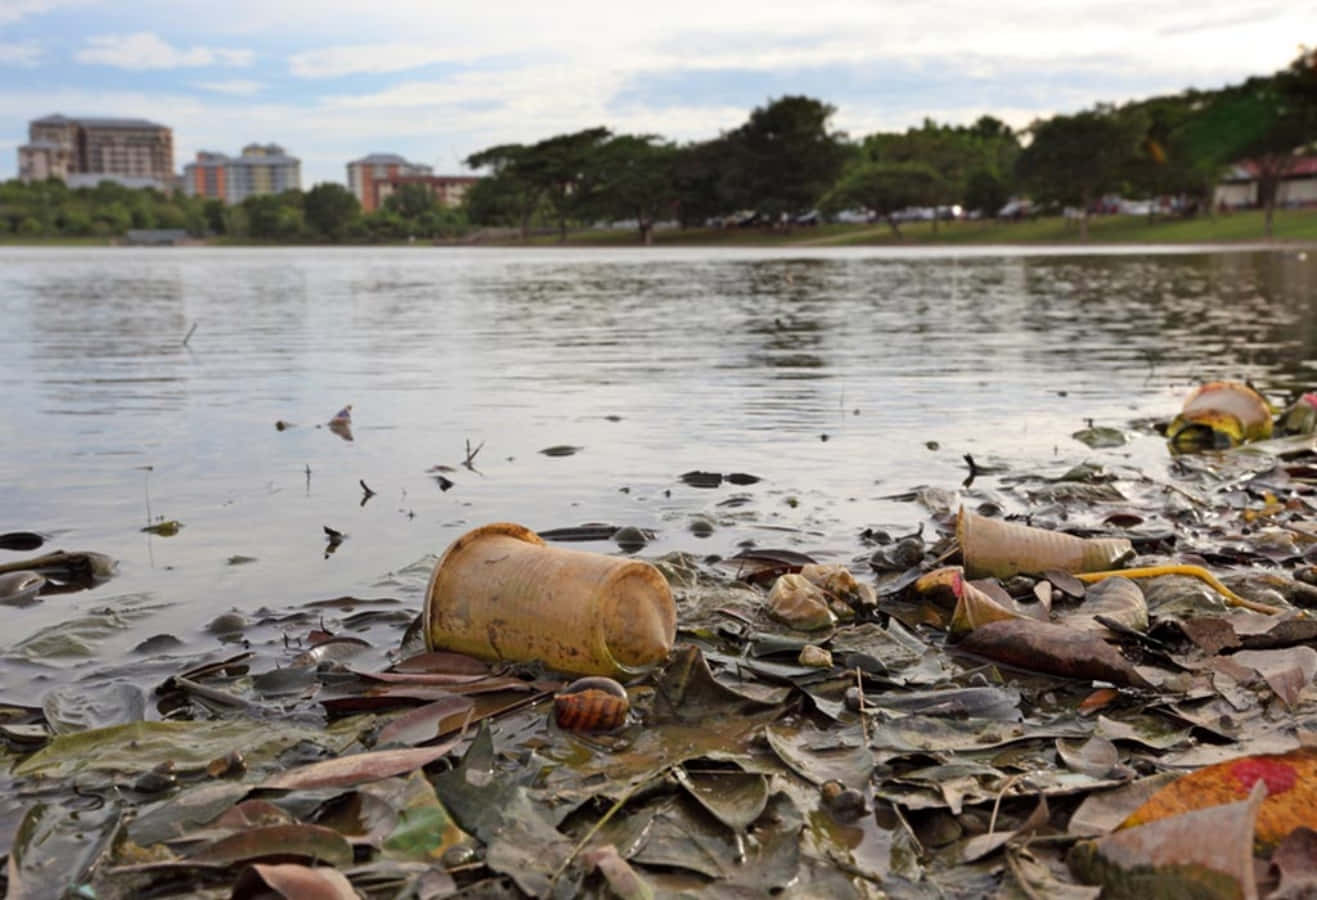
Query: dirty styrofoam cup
point(998, 549)
point(501, 593)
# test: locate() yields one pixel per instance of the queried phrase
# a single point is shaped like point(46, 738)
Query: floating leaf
point(1290, 797)
point(1116, 599)
point(561, 450)
point(167, 528)
point(1100, 437)
point(1096, 756)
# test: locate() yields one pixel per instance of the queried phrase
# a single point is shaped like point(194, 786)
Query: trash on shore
point(1219, 415)
point(987, 709)
point(500, 592)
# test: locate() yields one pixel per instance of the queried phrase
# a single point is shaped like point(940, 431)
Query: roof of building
point(96, 122)
point(380, 159)
point(42, 145)
point(263, 160)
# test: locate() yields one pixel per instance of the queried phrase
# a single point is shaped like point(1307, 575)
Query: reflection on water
point(825, 372)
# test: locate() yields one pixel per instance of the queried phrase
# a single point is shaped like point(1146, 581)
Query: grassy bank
point(1293, 225)
point(1237, 227)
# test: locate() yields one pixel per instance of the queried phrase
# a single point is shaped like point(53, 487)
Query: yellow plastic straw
point(1193, 572)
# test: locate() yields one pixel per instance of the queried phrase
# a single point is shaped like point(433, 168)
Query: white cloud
point(13, 10)
point(146, 50)
point(237, 87)
point(332, 62)
point(24, 55)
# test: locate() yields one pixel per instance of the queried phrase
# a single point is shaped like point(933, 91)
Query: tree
point(635, 181)
point(411, 201)
point(885, 188)
point(784, 158)
point(329, 209)
point(565, 167)
point(1075, 159)
point(700, 181)
point(986, 192)
point(513, 189)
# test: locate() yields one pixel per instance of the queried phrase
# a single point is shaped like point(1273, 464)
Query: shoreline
point(1294, 229)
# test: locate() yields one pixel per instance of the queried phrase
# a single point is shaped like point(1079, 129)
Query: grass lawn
point(1237, 227)
point(14, 240)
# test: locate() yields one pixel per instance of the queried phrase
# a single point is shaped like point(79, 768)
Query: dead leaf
point(1203, 853)
point(292, 882)
point(349, 770)
point(1291, 793)
point(1053, 649)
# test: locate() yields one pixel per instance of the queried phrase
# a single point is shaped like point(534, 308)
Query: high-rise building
point(133, 150)
point(261, 169)
point(365, 173)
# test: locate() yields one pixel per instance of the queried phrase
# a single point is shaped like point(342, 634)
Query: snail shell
point(591, 704)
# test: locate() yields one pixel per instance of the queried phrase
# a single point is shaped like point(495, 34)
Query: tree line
point(784, 162)
point(326, 212)
point(782, 165)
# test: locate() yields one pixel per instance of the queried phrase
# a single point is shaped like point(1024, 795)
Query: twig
point(469, 462)
point(996, 806)
point(189, 333)
point(859, 691)
point(620, 802)
point(362, 482)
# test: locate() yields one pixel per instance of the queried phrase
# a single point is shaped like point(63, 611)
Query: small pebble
point(811, 655)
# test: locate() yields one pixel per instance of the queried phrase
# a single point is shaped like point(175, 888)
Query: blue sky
point(435, 80)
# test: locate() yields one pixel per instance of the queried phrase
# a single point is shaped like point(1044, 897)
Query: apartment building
point(261, 169)
point(365, 172)
point(447, 190)
point(60, 146)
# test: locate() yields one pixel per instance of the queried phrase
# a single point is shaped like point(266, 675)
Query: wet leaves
point(1053, 649)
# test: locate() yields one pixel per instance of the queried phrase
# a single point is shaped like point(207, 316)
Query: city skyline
point(437, 82)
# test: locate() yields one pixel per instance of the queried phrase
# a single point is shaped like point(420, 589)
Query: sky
point(438, 80)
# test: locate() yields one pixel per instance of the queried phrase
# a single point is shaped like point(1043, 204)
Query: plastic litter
point(1219, 415)
point(991, 547)
point(500, 592)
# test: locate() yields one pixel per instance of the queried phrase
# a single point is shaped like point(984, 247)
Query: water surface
point(825, 372)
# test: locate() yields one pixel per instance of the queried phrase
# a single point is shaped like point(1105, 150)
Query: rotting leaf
point(1290, 802)
point(1205, 853)
point(191, 808)
point(623, 880)
point(979, 846)
point(1117, 599)
point(734, 798)
point(822, 756)
point(1097, 756)
point(356, 768)
point(292, 882)
point(1053, 649)
point(1295, 860)
point(687, 691)
point(424, 723)
point(52, 853)
point(1287, 671)
point(279, 842)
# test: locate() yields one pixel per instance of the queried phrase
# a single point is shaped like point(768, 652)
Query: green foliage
point(330, 210)
point(986, 192)
point(411, 201)
point(886, 187)
point(1075, 159)
point(783, 159)
point(634, 179)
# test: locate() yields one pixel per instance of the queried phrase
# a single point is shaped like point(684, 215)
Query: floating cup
point(998, 549)
point(499, 592)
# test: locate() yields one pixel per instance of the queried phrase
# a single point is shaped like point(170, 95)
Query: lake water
point(824, 372)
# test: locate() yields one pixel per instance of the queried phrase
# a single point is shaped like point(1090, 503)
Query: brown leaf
point(280, 842)
point(292, 882)
point(1053, 649)
point(1295, 860)
point(1291, 792)
point(1201, 853)
point(423, 723)
point(349, 770)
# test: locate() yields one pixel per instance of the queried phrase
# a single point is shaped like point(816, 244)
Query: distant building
point(261, 169)
point(365, 172)
point(59, 147)
point(447, 190)
point(1297, 187)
